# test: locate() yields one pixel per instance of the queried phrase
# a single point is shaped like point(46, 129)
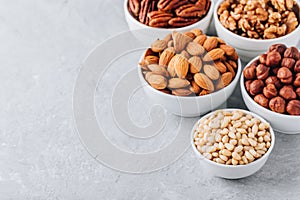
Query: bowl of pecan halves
point(270, 86)
point(162, 15)
point(189, 73)
point(251, 26)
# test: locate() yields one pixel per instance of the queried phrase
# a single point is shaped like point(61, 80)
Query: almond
point(227, 49)
point(195, 64)
point(178, 83)
point(181, 92)
point(203, 92)
point(168, 37)
point(220, 66)
point(214, 54)
point(195, 88)
point(234, 56)
point(232, 63)
point(157, 69)
point(195, 49)
point(190, 34)
point(204, 82)
point(171, 68)
point(200, 39)
point(210, 43)
point(180, 64)
point(166, 56)
point(229, 68)
point(226, 78)
point(151, 60)
point(158, 45)
point(185, 54)
point(180, 41)
point(157, 81)
point(211, 72)
point(197, 32)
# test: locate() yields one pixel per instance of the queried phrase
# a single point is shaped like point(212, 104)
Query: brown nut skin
point(262, 100)
point(250, 72)
point(284, 73)
point(297, 67)
point(297, 80)
point(280, 48)
point(263, 58)
point(247, 85)
point(256, 87)
point(262, 71)
point(270, 91)
point(273, 59)
point(273, 80)
point(293, 107)
point(287, 92)
point(291, 52)
point(277, 104)
point(275, 70)
point(298, 92)
point(288, 63)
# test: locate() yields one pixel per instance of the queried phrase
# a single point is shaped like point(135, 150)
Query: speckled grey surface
point(43, 44)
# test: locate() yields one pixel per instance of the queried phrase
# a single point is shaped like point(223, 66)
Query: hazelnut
point(293, 107)
point(277, 104)
point(291, 52)
point(270, 91)
point(262, 71)
point(286, 80)
point(280, 48)
point(249, 72)
point(263, 58)
point(256, 87)
point(273, 80)
point(297, 67)
point(297, 80)
point(255, 63)
point(288, 63)
point(284, 73)
point(275, 70)
point(247, 85)
point(261, 100)
point(298, 92)
point(273, 59)
point(287, 92)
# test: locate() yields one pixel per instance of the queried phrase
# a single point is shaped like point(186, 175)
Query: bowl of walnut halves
point(161, 16)
point(251, 26)
point(270, 86)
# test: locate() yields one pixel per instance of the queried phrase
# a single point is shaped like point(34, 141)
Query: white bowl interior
point(230, 171)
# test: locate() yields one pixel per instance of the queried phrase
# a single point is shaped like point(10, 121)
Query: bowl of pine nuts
point(232, 143)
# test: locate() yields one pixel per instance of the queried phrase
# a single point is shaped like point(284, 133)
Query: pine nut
point(229, 146)
point(238, 149)
point(236, 156)
point(225, 158)
point(226, 152)
point(234, 161)
point(225, 139)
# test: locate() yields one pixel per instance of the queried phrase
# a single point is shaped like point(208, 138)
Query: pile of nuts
point(168, 13)
point(189, 64)
point(259, 19)
point(232, 137)
point(273, 80)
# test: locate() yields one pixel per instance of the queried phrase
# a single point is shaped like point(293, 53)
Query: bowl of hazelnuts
point(270, 86)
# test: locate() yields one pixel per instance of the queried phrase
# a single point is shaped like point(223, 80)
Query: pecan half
point(159, 18)
point(167, 5)
point(181, 22)
point(134, 6)
point(146, 7)
point(190, 10)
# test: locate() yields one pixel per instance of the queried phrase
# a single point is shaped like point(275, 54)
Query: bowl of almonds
point(232, 143)
point(251, 26)
point(189, 73)
point(161, 16)
point(270, 86)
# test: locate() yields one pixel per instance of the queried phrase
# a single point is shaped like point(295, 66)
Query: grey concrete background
point(42, 44)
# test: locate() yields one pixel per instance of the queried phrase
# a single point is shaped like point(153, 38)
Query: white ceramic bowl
point(190, 106)
point(249, 48)
point(134, 24)
point(280, 122)
point(230, 171)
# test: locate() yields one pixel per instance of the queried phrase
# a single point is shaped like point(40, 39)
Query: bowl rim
point(258, 41)
point(246, 95)
point(234, 81)
point(132, 19)
point(265, 156)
